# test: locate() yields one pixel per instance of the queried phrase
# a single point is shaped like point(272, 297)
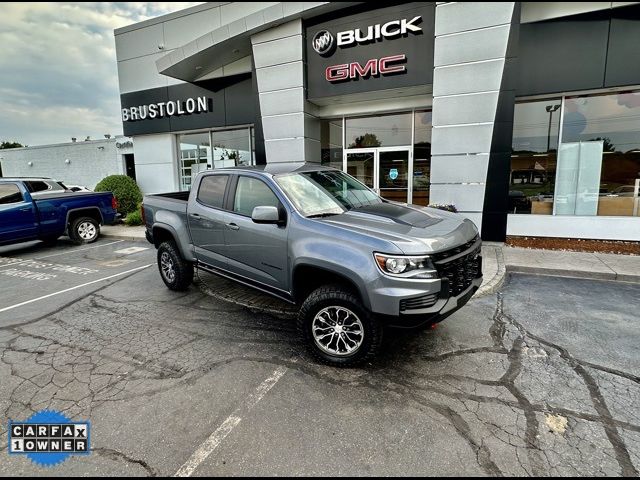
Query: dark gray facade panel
point(496, 192)
point(564, 54)
point(239, 103)
point(418, 48)
point(258, 132)
point(230, 104)
point(623, 59)
point(215, 117)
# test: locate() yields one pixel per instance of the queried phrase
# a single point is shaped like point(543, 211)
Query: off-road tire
point(175, 271)
point(338, 296)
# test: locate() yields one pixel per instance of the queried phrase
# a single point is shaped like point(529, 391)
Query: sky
point(58, 70)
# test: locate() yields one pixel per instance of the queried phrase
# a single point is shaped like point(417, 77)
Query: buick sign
point(323, 42)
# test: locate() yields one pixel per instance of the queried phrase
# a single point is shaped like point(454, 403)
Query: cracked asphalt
point(542, 378)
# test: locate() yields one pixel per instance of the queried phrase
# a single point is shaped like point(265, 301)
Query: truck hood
point(413, 229)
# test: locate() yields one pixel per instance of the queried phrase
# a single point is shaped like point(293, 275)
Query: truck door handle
point(232, 226)
point(26, 209)
point(196, 215)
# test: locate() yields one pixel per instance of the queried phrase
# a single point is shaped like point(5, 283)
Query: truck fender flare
point(84, 209)
point(174, 234)
point(336, 269)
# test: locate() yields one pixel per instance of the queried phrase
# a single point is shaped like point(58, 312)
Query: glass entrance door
point(393, 174)
point(385, 169)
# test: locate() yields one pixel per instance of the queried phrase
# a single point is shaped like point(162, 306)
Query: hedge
point(125, 189)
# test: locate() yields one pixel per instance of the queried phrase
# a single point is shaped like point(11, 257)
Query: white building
point(75, 163)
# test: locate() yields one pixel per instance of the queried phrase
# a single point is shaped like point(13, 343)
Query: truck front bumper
point(412, 304)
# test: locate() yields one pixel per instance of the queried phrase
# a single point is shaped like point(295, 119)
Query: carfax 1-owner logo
point(48, 438)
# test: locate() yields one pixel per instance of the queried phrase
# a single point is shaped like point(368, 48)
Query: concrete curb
point(559, 272)
point(494, 284)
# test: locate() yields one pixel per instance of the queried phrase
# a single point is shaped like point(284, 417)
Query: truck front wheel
point(337, 329)
point(175, 271)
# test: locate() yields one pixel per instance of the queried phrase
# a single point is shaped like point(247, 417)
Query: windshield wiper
point(321, 215)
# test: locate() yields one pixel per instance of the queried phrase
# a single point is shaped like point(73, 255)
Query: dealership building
point(524, 115)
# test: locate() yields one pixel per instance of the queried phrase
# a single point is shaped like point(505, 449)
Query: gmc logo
point(372, 68)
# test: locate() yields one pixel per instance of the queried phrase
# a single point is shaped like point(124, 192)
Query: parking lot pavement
point(541, 378)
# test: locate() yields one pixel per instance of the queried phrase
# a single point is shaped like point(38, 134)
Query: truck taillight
point(144, 220)
point(114, 203)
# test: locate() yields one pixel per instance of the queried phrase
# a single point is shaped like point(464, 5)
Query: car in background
point(75, 188)
point(37, 186)
point(623, 191)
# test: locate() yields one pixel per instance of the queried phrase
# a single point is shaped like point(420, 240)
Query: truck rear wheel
point(337, 329)
point(84, 230)
point(175, 271)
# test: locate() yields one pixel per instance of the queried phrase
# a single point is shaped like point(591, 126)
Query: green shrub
point(133, 219)
point(125, 189)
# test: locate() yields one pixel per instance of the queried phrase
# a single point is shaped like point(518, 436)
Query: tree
point(607, 146)
point(5, 144)
point(366, 140)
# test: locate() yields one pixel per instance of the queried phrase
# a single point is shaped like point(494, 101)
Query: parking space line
point(207, 448)
point(74, 250)
point(11, 307)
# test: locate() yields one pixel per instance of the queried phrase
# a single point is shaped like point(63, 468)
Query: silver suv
point(314, 236)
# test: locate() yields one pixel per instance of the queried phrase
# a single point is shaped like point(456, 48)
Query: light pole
point(550, 109)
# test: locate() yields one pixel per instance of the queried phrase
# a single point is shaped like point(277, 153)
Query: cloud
point(58, 72)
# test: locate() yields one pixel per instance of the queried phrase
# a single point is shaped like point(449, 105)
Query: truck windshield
point(324, 193)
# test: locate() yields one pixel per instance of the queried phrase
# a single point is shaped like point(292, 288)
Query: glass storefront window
point(379, 131)
point(231, 148)
point(422, 158)
point(195, 156)
point(593, 169)
point(331, 143)
point(599, 157)
point(536, 127)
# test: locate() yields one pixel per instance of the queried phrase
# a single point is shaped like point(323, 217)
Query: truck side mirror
point(265, 214)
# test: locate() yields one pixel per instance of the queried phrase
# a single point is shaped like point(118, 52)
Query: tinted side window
point(211, 191)
point(36, 186)
point(9, 193)
point(251, 193)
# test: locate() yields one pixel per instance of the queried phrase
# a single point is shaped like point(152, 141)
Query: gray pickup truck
point(316, 237)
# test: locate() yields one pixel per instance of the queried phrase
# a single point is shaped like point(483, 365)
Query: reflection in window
point(594, 169)
point(331, 143)
point(379, 131)
point(536, 127)
point(231, 148)
point(607, 171)
point(195, 156)
point(252, 193)
point(422, 158)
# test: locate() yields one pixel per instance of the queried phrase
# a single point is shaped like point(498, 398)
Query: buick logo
point(323, 42)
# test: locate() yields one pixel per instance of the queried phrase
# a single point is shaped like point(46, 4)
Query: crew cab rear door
point(18, 214)
point(206, 218)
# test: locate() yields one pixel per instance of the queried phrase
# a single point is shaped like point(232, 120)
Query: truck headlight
point(406, 266)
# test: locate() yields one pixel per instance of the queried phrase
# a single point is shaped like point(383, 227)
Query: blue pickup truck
point(47, 216)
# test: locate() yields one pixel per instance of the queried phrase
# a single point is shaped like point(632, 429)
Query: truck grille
point(461, 271)
point(441, 256)
point(416, 303)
